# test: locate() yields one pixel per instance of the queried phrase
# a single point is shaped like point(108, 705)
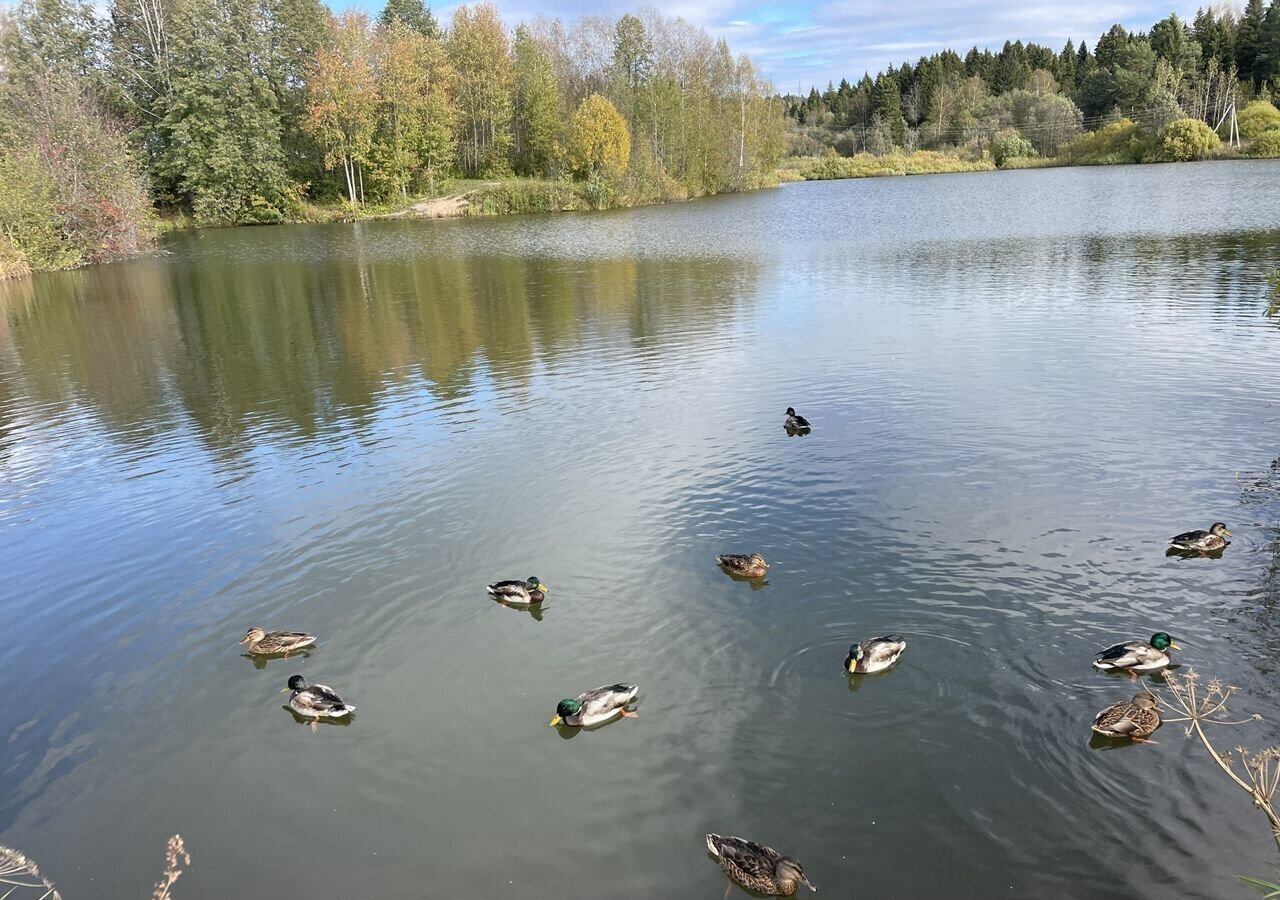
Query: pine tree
point(413, 13)
point(1249, 41)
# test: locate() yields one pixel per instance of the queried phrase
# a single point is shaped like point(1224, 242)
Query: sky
point(811, 42)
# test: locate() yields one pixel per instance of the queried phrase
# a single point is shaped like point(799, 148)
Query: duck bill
point(243, 640)
point(1227, 532)
point(810, 886)
point(284, 690)
point(1173, 645)
point(544, 588)
point(554, 722)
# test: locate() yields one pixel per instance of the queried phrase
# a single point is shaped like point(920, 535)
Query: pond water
point(1020, 385)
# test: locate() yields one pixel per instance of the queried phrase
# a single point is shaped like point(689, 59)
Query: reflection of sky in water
point(351, 430)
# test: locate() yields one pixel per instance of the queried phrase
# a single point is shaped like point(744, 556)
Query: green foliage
point(481, 58)
point(538, 109)
point(1009, 145)
point(1048, 120)
point(1185, 140)
point(599, 142)
point(413, 14)
point(1266, 145)
point(223, 151)
point(1117, 143)
point(867, 165)
point(1258, 117)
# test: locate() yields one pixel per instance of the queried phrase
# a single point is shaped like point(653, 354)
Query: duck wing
point(883, 649)
point(752, 861)
point(604, 702)
point(735, 561)
point(801, 422)
point(1123, 656)
point(320, 700)
point(1126, 720)
point(287, 639)
point(1188, 537)
point(509, 589)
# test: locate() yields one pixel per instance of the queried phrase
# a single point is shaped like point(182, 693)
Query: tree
point(538, 110)
point(1186, 140)
point(222, 152)
point(1258, 117)
point(599, 142)
point(481, 58)
point(1249, 41)
point(413, 13)
point(343, 98)
point(886, 102)
point(415, 114)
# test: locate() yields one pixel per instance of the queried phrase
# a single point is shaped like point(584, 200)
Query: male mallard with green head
point(874, 655)
point(596, 706)
point(749, 565)
point(1137, 657)
point(1133, 719)
point(527, 592)
point(1213, 539)
point(269, 643)
point(315, 701)
point(755, 867)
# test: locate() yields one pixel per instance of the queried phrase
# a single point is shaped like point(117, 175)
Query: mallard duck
point(751, 565)
point(531, 591)
point(795, 422)
point(874, 655)
point(268, 643)
point(315, 701)
point(1136, 657)
point(1213, 539)
point(755, 867)
point(596, 706)
point(1133, 719)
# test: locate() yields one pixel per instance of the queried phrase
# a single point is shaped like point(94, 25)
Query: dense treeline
point(245, 111)
point(1027, 99)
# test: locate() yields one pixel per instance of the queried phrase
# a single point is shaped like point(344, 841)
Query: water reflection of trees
point(303, 345)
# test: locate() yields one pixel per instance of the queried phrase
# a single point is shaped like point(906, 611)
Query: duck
point(874, 655)
point(749, 565)
point(795, 422)
point(755, 867)
point(1137, 657)
point(269, 643)
point(1133, 719)
point(1213, 539)
point(315, 701)
point(527, 592)
point(596, 706)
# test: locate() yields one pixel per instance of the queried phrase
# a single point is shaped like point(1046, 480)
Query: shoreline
point(518, 196)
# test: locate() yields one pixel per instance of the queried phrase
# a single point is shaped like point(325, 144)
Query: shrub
point(1258, 117)
point(867, 165)
point(1186, 140)
point(599, 140)
point(1266, 145)
point(1008, 145)
point(1113, 144)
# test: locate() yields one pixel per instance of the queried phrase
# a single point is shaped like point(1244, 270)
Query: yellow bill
point(554, 722)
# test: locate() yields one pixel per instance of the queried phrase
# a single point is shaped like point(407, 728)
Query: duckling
point(527, 592)
point(1213, 539)
point(751, 565)
point(315, 701)
point(795, 422)
point(874, 655)
point(755, 867)
point(1133, 719)
point(1135, 657)
point(596, 706)
point(269, 643)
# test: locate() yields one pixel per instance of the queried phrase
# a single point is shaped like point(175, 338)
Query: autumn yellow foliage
point(599, 142)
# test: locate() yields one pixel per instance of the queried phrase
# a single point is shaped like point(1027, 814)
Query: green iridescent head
point(1161, 641)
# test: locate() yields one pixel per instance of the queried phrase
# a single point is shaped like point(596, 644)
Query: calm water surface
point(1020, 383)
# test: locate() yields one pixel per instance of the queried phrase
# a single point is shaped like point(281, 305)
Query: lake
point(1020, 384)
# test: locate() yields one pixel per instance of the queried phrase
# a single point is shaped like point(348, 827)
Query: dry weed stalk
point(18, 871)
point(176, 854)
point(1257, 774)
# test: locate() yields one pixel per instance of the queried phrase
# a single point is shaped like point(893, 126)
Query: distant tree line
point(241, 111)
point(1046, 97)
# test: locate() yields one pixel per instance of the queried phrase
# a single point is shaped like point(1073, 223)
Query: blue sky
point(813, 41)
